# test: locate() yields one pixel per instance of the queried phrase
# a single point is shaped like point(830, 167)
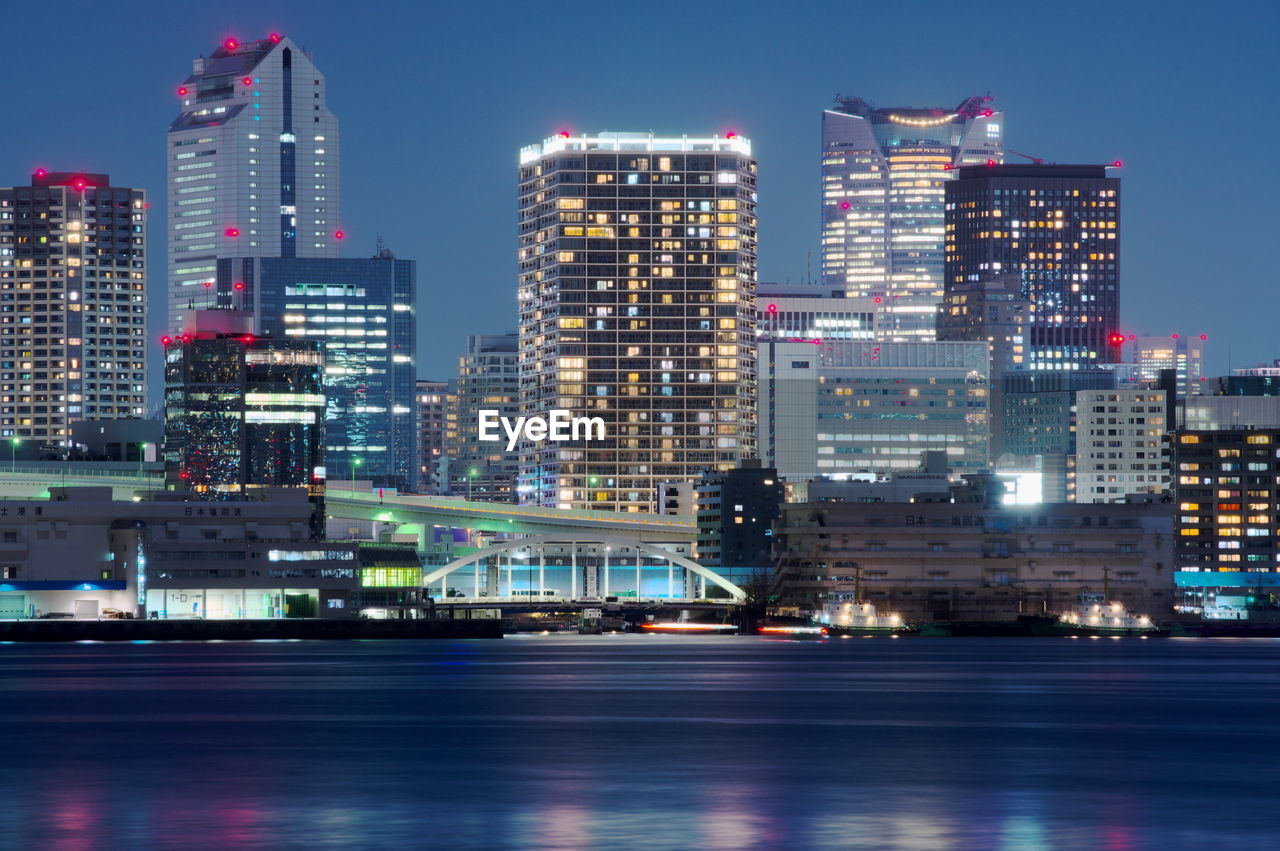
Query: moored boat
point(1094, 615)
point(846, 616)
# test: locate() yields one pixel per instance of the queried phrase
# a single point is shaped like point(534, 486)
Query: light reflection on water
point(664, 742)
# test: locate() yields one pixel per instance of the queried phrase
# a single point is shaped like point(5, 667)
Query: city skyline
point(1116, 91)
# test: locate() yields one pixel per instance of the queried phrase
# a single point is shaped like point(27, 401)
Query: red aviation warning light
point(1116, 339)
point(164, 341)
point(990, 163)
point(231, 44)
point(239, 285)
point(1204, 336)
point(182, 91)
point(564, 134)
point(233, 232)
point(246, 81)
point(773, 308)
point(274, 38)
point(339, 235)
point(79, 184)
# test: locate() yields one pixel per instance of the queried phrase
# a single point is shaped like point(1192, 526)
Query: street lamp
point(142, 456)
point(355, 462)
point(13, 454)
point(471, 474)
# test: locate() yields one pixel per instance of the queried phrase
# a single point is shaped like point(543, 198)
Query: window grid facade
point(1120, 444)
point(73, 276)
point(1056, 227)
point(884, 172)
point(637, 305)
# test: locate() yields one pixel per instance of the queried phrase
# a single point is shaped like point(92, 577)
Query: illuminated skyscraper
point(73, 281)
point(883, 176)
point(1055, 227)
point(363, 310)
point(637, 305)
point(253, 164)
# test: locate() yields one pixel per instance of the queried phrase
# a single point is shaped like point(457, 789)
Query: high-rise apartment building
point(243, 412)
point(1120, 438)
point(252, 163)
point(73, 280)
point(434, 398)
point(1182, 353)
point(488, 379)
point(1056, 227)
point(363, 310)
point(1227, 489)
point(637, 305)
point(884, 172)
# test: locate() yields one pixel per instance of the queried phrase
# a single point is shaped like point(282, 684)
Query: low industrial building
point(82, 554)
point(967, 556)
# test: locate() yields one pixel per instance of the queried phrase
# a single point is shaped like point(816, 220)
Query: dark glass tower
point(243, 412)
point(363, 311)
point(1057, 229)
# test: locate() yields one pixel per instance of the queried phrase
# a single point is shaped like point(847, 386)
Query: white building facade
point(252, 165)
point(1119, 440)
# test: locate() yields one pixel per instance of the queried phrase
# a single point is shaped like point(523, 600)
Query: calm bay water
point(642, 741)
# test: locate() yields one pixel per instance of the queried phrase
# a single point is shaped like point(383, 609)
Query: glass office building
point(841, 410)
point(1057, 228)
point(363, 310)
point(243, 412)
point(884, 171)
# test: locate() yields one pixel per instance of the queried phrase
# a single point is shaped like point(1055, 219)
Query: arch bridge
point(574, 568)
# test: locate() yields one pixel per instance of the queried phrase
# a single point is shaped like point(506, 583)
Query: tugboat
point(844, 615)
point(1096, 615)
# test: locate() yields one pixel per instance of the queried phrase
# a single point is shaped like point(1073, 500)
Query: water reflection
point(569, 742)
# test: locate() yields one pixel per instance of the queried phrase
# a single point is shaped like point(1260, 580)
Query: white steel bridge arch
point(540, 542)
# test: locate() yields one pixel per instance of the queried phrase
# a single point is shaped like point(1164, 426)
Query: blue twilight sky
point(435, 99)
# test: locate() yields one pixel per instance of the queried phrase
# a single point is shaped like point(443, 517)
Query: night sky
point(435, 99)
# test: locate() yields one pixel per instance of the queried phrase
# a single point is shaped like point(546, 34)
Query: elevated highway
point(341, 501)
